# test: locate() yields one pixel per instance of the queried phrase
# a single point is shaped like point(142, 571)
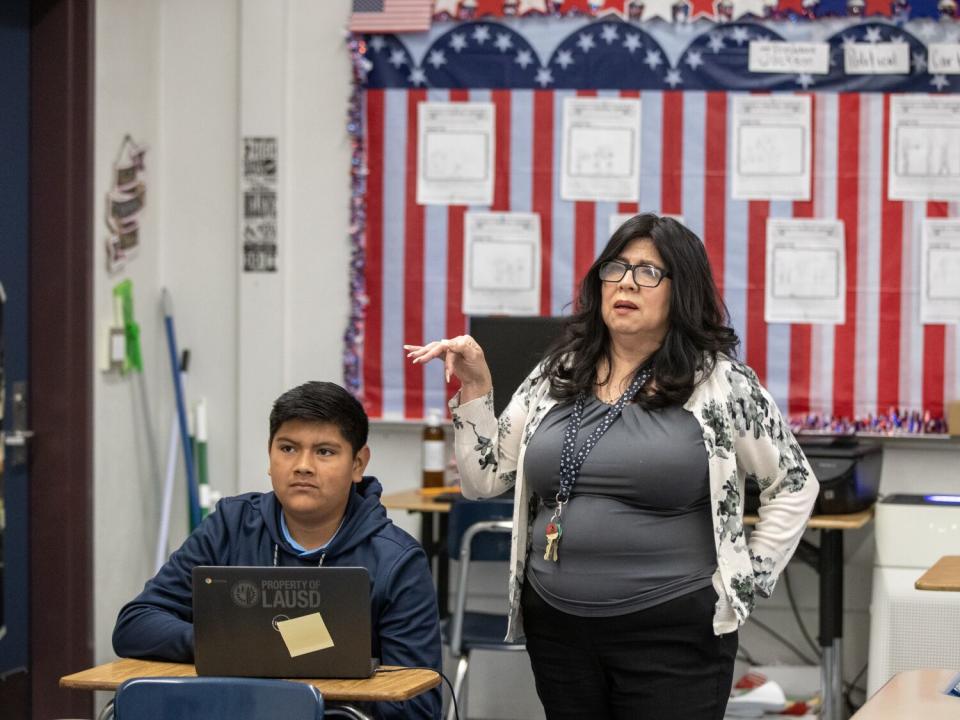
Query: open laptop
point(239, 612)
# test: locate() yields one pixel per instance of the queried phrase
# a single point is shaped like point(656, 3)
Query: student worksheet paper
point(806, 271)
point(455, 153)
point(771, 147)
point(924, 147)
point(501, 264)
point(940, 271)
point(600, 157)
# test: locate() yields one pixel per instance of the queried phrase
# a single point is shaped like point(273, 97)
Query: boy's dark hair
point(322, 402)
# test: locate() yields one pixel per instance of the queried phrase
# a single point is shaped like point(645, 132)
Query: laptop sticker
point(305, 634)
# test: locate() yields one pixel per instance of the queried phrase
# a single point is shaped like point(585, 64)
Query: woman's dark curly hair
point(698, 321)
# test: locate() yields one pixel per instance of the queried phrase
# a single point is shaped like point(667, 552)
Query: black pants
point(657, 664)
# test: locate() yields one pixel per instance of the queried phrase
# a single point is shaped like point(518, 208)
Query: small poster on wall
point(940, 268)
point(600, 157)
point(124, 204)
point(455, 153)
point(924, 147)
point(501, 264)
point(771, 147)
point(806, 271)
point(259, 202)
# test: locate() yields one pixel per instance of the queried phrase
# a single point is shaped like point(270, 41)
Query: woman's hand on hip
point(463, 358)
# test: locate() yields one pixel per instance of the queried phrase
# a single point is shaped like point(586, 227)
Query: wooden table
point(396, 686)
point(913, 694)
point(944, 575)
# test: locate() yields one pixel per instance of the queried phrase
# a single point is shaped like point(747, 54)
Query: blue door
point(14, 144)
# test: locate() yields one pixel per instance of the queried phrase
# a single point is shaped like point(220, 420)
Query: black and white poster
point(259, 202)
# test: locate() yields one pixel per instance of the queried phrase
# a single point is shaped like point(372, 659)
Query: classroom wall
point(190, 79)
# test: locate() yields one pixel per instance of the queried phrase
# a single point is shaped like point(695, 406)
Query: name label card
point(789, 57)
point(943, 58)
point(876, 58)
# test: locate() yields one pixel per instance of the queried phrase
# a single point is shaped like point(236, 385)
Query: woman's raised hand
point(462, 357)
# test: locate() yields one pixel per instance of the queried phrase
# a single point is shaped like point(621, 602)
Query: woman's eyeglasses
point(643, 275)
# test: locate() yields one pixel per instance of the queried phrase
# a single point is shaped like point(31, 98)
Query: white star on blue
point(377, 43)
point(585, 42)
point(694, 59)
point(632, 42)
point(417, 76)
point(673, 78)
point(939, 82)
point(503, 42)
point(458, 41)
point(397, 58)
point(653, 59)
point(564, 59)
point(919, 62)
point(739, 35)
point(873, 35)
point(437, 58)
point(481, 34)
point(544, 77)
point(716, 42)
point(523, 58)
point(804, 80)
point(609, 33)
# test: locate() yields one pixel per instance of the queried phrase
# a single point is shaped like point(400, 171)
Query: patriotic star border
point(617, 55)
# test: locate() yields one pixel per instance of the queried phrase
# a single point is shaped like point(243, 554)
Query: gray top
point(637, 530)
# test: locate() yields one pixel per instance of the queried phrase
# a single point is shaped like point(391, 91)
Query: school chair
point(216, 698)
point(478, 532)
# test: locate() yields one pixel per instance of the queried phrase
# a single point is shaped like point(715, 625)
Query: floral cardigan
point(744, 436)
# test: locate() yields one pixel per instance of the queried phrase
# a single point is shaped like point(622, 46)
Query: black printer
point(848, 471)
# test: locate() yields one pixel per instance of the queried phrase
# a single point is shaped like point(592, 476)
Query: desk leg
point(443, 565)
point(435, 546)
point(831, 623)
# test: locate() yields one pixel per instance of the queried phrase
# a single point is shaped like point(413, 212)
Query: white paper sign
point(771, 147)
point(806, 271)
point(924, 147)
point(501, 264)
point(789, 57)
point(455, 153)
point(940, 271)
point(943, 58)
point(600, 159)
point(891, 58)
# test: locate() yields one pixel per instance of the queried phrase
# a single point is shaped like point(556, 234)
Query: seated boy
point(322, 511)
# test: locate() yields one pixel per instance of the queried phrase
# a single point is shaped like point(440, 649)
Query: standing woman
point(628, 446)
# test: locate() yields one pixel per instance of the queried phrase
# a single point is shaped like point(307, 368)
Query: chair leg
point(458, 684)
point(107, 712)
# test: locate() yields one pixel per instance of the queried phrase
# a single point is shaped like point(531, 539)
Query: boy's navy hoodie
point(245, 530)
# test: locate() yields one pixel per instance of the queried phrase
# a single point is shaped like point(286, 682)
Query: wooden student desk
point(913, 694)
point(397, 686)
point(943, 575)
point(826, 558)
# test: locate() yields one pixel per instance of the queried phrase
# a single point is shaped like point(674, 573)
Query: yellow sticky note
point(305, 634)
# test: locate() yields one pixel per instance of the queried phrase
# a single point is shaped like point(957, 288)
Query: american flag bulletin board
point(408, 261)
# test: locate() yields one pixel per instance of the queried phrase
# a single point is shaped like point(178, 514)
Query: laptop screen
point(291, 622)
